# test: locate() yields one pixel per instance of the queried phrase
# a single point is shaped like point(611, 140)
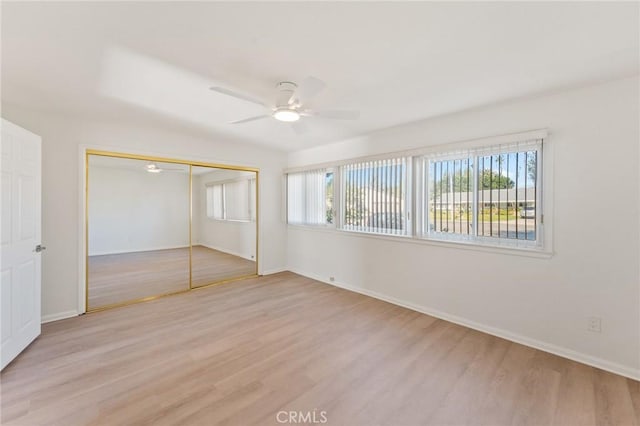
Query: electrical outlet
point(594, 324)
point(332, 279)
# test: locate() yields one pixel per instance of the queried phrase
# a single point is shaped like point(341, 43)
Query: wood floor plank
point(239, 353)
point(538, 393)
point(613, 400)
point(468, 393)
point(577, 390)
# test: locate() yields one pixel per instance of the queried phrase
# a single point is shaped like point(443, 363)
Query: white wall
point(234, 237)
point(544, 302)
point(132, 210)
point(62, 138)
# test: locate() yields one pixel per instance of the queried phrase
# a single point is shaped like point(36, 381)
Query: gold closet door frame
point(191, 164)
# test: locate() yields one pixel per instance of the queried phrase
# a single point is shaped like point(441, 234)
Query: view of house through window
point(451, 196)
point(496, 193)
point(507, 191)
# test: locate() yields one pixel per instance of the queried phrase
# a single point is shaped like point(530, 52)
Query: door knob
point(39, 248)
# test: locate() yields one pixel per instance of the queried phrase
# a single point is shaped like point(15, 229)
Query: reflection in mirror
point(224, 225)
point(138, 229)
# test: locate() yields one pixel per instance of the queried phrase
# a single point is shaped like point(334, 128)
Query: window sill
point(538, 253)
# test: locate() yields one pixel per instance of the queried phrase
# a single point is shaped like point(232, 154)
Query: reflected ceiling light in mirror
point(152, 168)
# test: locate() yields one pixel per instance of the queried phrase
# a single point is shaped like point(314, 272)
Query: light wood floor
point(240, 352)
point(117, 278)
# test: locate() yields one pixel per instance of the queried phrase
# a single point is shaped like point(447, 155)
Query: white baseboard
point(103, 253)
point(275, 271)
point(58, 316)
point(592, 361)
point(224, 251)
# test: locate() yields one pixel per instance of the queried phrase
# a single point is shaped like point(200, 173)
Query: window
point(233, 200)
point(450, 194)
point(375, 196)
point(489, 195)
point(484, 195)
point(310, 197)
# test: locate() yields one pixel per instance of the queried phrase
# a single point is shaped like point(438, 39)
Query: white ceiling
point(152, 63)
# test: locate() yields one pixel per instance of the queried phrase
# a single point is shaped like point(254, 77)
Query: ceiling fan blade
point(300, 127)
point(237, 95)
point(309, 88)
point(306, 113)
point(337, 114)
point(246, 120)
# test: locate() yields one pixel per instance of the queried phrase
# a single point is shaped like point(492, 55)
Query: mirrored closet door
point(162, 227)
point(223, 234)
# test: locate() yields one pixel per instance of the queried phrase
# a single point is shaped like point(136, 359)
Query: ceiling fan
point(289, 104)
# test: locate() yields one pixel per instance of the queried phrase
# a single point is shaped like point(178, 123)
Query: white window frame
point(474, 155)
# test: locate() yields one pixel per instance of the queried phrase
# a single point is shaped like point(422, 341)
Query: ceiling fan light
point(287, 115)
point(154, 170)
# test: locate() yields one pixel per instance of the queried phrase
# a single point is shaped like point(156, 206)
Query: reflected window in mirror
point(234, 200)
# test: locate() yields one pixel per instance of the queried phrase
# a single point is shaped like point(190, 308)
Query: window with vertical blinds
point(374, 196)
point(484, 194)
point(309, 197)
point(450, 195)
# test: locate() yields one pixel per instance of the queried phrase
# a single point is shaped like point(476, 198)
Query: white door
point(20, 253)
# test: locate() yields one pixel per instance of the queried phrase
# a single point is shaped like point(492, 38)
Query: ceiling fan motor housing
point(286, 89)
